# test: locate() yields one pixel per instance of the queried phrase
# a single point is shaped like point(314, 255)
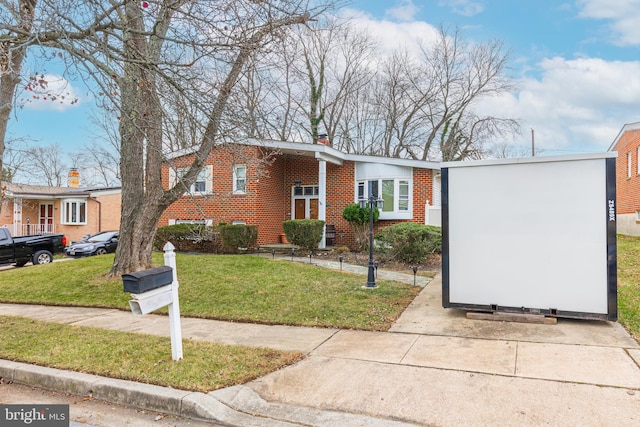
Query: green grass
point(142, 358)
point(237, 288)
point(240, 288)
point(629, 283)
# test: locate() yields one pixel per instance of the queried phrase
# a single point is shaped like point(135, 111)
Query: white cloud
point(463, 7)
point(405, 11)
point(577, 105)
point(49, 92)
point(623, 16)
point(393, 35)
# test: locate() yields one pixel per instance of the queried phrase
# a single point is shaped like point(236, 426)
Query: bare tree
point(333, 68)
point(46, 165)
point(102, 155)
point(15, 18)
point(134, 51)
point(16, 159)
point(462, 74)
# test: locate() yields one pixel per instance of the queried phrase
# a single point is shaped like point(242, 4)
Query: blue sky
point(577, 63)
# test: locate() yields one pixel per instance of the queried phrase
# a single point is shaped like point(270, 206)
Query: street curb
point(232, 406)
point(250, 401)
point(144, 396)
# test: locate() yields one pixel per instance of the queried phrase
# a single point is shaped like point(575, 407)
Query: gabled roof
point(626, 128)
point(41, 191)
point(320, 152)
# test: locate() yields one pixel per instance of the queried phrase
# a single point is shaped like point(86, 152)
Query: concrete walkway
point(434, 367)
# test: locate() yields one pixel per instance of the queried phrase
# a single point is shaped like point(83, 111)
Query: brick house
point(264, 183)
point(627, 144)
point(72, 211)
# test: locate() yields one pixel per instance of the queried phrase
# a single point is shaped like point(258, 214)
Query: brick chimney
point(324, 139)
point(73, 179)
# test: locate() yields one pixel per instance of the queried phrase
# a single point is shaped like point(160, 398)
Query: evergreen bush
point(238, 237)
point(305, 233)
point(409, 242)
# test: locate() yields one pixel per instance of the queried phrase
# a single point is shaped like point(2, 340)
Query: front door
point(46, 218)
point(305, 208)
point(300, 209)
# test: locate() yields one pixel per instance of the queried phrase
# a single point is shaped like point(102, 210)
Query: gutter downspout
point(99, 212)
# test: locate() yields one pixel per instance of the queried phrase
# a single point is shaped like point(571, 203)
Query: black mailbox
point(146, 280)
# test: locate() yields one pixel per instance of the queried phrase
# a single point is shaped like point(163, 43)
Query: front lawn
point(143, 358)
point(629, 283)
point(240, 288)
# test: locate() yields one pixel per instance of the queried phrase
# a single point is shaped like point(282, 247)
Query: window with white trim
point(307, 190)
point(74, 211)
point(239, 179)
point(638, 159)
point(629, 160)
point(203, 183)
point(395, 192)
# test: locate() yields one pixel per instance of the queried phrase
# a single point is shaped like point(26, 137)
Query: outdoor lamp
point(379, 203)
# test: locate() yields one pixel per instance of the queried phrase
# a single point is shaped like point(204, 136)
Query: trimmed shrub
point(305, 233)
point(358, 218)
point(238, 237)
point(189, 238)
point(354, 214)
point(409, 242)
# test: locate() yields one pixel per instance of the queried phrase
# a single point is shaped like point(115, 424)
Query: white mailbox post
point(174, 306)
point(156, 288)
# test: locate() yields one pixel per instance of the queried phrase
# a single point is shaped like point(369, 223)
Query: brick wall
point(628, 188)
point(268, 200)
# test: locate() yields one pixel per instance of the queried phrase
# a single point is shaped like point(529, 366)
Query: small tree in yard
point(358, 218)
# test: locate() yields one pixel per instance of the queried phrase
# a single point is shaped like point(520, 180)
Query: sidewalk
point(434, 367)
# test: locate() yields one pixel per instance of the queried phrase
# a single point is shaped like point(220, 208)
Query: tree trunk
point(143, 198)
point(137, 226)
point(11, 59)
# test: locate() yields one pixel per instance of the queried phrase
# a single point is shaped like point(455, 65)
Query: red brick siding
point(268, 200)
point(628, 188)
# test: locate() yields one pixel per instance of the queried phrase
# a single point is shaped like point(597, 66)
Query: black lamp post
point(379, 203)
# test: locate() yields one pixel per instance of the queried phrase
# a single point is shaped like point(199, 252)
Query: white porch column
point(322, 198)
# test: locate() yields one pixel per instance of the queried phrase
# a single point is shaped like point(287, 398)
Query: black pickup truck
point(38, 249)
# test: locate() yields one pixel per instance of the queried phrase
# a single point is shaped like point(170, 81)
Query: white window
point(629, 159)
point(396, 194)
point(638, 159)
point(74, 211)
point(239, 179)
point(307, 190)
point(203, 183)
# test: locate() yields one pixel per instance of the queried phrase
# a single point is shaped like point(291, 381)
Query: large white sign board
point(531, 235)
